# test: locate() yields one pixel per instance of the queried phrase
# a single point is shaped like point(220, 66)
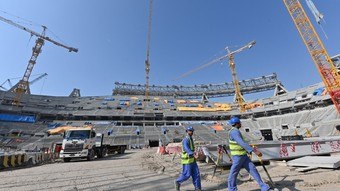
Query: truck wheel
point(121, 150)
point(104, 152)
point(66, 159)
point(90, 156)
point(99, 154)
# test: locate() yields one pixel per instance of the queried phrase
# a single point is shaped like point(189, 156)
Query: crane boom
point(38, 78)
point(203, 66)
point(316, 49)
point(71, 49)
point(249, 45)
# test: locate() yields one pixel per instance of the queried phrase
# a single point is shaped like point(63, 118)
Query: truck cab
point(78, 143)
point(85, 143)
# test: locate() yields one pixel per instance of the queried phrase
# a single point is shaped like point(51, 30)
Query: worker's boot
point(177, 185)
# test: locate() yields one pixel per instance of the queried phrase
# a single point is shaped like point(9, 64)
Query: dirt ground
point(146, 171)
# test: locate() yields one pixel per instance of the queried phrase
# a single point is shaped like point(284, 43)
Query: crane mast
point(22, 87)
point(147, 61)
point(238, 96)
point(316, 49)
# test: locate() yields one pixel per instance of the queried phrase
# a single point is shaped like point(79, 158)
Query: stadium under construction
point(289, 124)
point(135, 121)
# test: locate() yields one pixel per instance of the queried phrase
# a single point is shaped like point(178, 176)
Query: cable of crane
point(202, 66)
point(216, 55)
point(29, 22)
point(40, 74)
point(42, 86)
point(29, 40)
point(55, 35)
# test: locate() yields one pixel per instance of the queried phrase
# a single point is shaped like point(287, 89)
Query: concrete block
point(337, 154)
point(278, 163)
point(305, 169)
point(316, 161)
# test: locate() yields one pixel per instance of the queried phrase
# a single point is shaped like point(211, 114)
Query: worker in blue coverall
point(188, 160)
point(239, 149)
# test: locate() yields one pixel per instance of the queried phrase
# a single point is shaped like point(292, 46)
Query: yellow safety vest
point(236, 149)
point(185, 159)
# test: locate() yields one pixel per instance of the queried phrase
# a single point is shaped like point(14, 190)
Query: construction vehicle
point(85, 143)
point(230, 55)
point(248, 106)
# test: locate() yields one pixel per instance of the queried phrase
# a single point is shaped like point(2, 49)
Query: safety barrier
point(17, 160)
point(14, 160)
point(38, 158)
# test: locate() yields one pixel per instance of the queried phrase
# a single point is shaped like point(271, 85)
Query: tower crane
point(30, 83)
point(230, 56)
point(7, 81)
point(147, 61)
point(238, 94)
point(316, 49)
point(22, 87)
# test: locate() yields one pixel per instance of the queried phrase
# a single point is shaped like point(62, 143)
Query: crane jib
point(71, 49)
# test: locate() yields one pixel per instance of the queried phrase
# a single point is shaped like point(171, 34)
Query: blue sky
point(111, 37)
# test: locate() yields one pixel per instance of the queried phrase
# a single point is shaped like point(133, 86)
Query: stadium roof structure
point(248, 86)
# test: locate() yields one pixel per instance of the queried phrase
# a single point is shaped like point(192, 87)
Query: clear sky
point(111, 37)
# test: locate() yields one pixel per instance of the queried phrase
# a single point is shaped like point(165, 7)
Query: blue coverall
point(243, 161)
point(190, 169)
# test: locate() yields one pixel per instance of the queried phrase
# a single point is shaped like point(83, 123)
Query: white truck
point(85, 143)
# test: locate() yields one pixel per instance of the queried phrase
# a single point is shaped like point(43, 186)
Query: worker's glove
point(196, 155)
point(258, 153)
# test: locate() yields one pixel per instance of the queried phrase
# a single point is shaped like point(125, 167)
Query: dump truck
point(85, 143)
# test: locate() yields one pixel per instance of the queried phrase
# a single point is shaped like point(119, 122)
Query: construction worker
point(188, 160)
point(239, 149)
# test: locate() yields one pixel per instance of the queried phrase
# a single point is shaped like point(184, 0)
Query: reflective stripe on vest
point(236, 149)
point(185, 159)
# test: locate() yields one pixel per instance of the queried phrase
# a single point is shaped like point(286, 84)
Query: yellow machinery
point(204, 109)
point(62, 129)
point(248, 106)
point(316, 49)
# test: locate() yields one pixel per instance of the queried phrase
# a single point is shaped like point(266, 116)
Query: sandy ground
point(146, 171)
